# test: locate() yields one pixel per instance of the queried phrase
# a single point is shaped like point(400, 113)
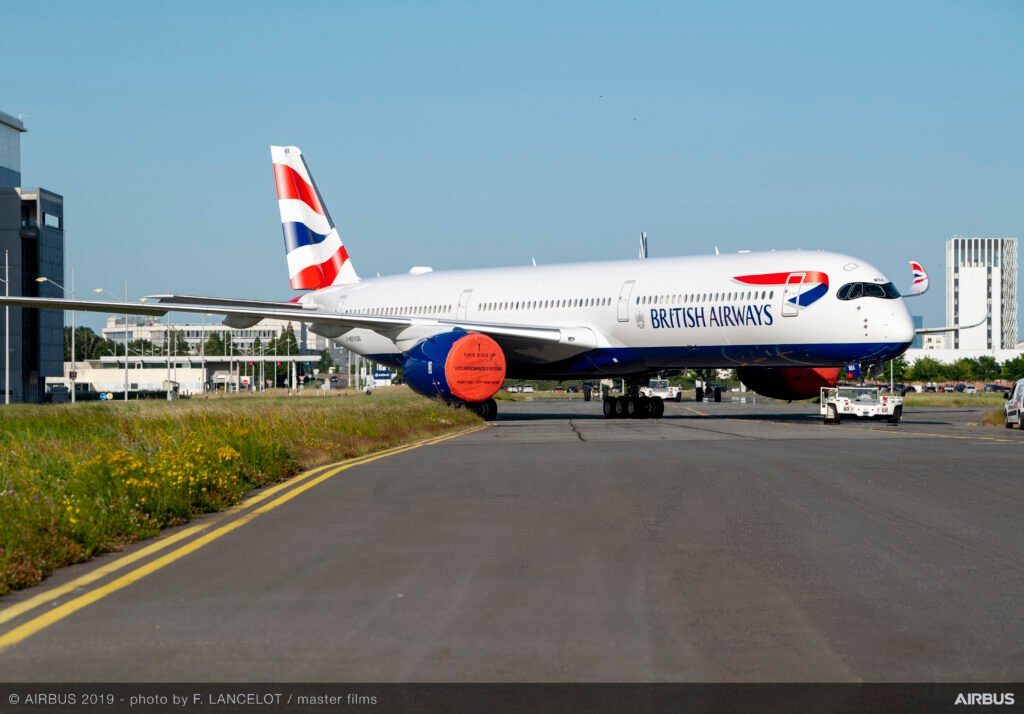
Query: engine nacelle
point(456, 366)
point(788, 382)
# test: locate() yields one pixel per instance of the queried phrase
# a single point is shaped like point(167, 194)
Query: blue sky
point(482, 134)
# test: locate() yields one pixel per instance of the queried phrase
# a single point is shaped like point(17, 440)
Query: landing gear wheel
point(632, 407)
point(700, 394)
point(608, 407)
point(897, 414)
point(488, 410)
point(644, 410)
point(718, 394)
point(658, 407)
point(679, 396)
point(620, 407)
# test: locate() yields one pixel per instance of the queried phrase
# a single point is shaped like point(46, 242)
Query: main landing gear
point(488, 410)
point(634, 407)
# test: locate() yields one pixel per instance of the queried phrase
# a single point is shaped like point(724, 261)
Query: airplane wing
point(246, 313)
point(954, 328)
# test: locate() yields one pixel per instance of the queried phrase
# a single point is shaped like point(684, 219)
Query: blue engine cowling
point(456, 366)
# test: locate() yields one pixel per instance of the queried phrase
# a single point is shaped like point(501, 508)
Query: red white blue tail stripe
point(813, 284)
point(316, 256)
point(919, 284)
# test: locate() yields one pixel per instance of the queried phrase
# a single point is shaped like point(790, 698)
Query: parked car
point(572, 389)
point(970, 389)
point(1014, 406)
point(528, 389)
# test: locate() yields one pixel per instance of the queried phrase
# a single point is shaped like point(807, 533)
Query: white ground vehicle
point(1015, 405)
point(661, 388)
point(859, 403)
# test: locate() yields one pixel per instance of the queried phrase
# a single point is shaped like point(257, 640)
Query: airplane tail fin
point(316, 256)
point(919, 286)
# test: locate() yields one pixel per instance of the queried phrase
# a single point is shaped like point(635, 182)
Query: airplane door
point(624, 294)
point(791, 294)
point(460, 314)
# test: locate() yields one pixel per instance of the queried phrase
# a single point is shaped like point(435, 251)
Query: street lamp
point(99, 291)
point(7, 332)
point(74, 361)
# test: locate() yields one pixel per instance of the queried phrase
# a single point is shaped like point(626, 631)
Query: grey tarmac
point(725, 542)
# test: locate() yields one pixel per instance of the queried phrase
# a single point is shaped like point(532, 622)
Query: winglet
point(919, 286)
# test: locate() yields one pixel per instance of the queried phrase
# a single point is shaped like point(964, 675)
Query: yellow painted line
point(691, 409)
point(59, 613)
point(52, 594)
point(954, 436)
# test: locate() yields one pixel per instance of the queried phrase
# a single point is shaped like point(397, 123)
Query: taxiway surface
point(725, 542)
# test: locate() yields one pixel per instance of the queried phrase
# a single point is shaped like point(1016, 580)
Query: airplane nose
point(896, 323)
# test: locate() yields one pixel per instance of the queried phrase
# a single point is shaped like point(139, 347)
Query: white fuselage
point(646, 315)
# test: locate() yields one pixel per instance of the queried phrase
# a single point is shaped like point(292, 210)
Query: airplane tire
point(487, 410)
point(643, 408)
point(659, 408)
point(700, 394)
point(718, 394)
point(631, 407)
point(620, 408)
point(679, 396)
point(608, 407)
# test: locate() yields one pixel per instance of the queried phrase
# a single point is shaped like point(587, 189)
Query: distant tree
point(142, 347)
point(985, 368)
point(178, 344)
point(88, 345)
point(325, 363)
point(895, 369)
point(1013, 369)
point(959, 371)
point(214, 345)
point(284, 344)
point(927, 369)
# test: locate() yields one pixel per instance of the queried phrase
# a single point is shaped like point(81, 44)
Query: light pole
point(101, 290)
point(74, 362)
point(7, 332)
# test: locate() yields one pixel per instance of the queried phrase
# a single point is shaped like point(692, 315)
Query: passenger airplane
point(785, 320)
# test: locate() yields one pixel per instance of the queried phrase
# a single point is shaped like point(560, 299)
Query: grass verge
point(77, 480)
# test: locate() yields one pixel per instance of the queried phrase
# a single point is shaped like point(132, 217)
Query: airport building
point(248, 366)
point(32, 243)
point(981, 279)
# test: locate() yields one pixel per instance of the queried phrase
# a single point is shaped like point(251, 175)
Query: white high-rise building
point(981, 279)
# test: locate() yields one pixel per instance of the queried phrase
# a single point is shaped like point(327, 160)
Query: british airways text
point(716, 316)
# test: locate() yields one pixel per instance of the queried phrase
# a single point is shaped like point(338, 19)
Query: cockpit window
point(852, 291)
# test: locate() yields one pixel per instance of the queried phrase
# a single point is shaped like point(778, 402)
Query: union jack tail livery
point(919, 285)
point(316, 256)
